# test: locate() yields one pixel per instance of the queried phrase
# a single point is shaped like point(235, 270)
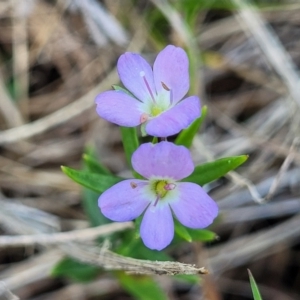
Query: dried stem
point(112, 261)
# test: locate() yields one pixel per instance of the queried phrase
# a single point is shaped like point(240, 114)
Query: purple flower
point(163, 164)
point(158, 94)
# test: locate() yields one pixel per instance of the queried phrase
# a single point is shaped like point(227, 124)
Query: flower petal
point(130, 68)
point(172, 68)
point(162, 160)
point(157, 227)
point(119, 108)
point(175, 119)
point(124, 202)
point(194, 208)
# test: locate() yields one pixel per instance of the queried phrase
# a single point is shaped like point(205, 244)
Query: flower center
point(155, 111)
point(161, 188)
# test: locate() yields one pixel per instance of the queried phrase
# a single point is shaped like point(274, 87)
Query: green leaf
point(141, 287)
point(190, 235)
point(211, 171)
point(130, 144)
point(182, 231)
point(120, 89)
point(185, 138)
point(193, 279)
point(91, 209)
point(254, 287)
point(203, 235)
point(96, 182)
point(75, 270)
point(94, 166)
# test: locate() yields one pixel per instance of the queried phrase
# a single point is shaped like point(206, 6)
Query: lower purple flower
point(163, 164)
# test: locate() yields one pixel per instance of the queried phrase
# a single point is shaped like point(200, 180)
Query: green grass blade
point(254, 287)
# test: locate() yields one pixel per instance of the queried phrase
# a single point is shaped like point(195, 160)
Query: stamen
point(156, 201)
point(165, 86)
point(142, 74)
point(144, 117)
point(169, 90)
point(133, 185)
point(170, 186)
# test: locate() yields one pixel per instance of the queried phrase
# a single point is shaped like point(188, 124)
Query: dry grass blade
point(6, 294)
point(271, 46)
point(254, 246)
point(112, 261)
point(59, 117)
point(63, 237)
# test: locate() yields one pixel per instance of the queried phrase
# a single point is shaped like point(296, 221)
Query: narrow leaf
point(211, 171)
point(203, 235)
point(182, 231)
point(130, 144)
point(91, 209)
point(254, 287)
point(90, 197)
point(77, 271)
point(141, 287)
point(192, 279)
point(94, 166)
point(96, 182)
point(120, 89)
point(185, 138)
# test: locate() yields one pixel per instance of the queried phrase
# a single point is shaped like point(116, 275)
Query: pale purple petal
point(162, 160)
point(122, 202)
point(130, 68)
point(194, 208)
point(172, 68)
point(157, 227)
point(119, 108)
point(175, 119)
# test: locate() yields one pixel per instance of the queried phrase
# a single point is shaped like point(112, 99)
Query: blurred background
point(56, 56)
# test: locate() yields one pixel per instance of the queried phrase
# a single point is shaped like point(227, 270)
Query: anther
point(170, 186)
point(142, 74)
point(133, 185)
point(169, 90)
point(165, 86)
point(144, 118)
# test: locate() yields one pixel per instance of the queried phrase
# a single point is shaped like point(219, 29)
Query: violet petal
point(194, 208)
point(125, 200)
point(130, 68)
point(171, 67)
point(175, 119)
point(164, 159)
point(119, 108)
point(157, 227)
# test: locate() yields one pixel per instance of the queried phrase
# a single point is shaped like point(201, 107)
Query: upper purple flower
point(163, 164)
point(158, 93)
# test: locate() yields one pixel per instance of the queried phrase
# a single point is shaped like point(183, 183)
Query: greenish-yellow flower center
point(155, 111)
point(160, 188)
